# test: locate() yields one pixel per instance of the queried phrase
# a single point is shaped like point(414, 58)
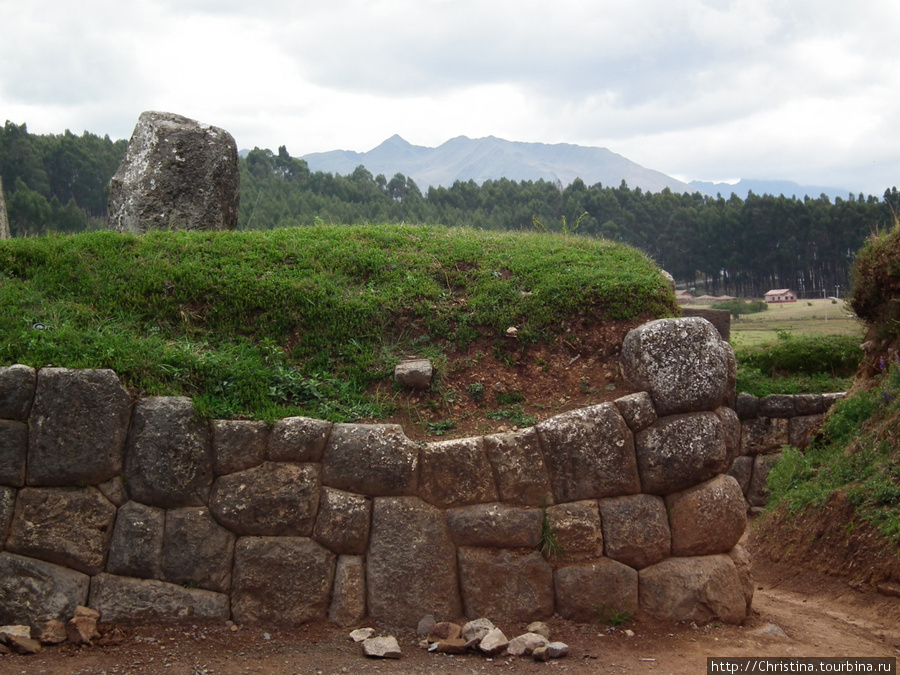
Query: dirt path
point(819, 616)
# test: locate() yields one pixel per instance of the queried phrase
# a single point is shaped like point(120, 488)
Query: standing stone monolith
point(4, 221)
point(177, 174)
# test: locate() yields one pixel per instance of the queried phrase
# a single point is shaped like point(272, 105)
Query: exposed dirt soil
point(819, 616)
point(501, 385)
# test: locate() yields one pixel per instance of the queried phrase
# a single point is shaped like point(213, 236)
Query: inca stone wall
point(767, 425)
point(145, 513)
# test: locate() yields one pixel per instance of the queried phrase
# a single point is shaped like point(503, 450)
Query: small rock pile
point(81, 629)
point(479, 636)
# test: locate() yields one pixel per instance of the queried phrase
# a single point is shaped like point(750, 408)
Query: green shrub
point(740, 307)
point(836, 355)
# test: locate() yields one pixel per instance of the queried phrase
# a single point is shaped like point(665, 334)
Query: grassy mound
point(302, 320)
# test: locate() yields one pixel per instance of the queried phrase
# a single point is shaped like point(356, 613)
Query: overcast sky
point(802, 90)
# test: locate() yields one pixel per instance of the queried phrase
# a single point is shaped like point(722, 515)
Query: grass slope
point(301, 320)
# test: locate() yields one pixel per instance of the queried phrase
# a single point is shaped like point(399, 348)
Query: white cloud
point(699, 88)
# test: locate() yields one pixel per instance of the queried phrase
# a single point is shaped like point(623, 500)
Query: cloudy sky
point(803, 90)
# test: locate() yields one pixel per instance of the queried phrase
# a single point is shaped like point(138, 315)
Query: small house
point(781, 295)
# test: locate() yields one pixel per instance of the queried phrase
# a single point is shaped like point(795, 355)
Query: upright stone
point(137, 542)
point(683, 363)
point(348, 598)
point(77, 427)
point(411, 563)
point(197, 551)
point(176, 174)
point(168, 458)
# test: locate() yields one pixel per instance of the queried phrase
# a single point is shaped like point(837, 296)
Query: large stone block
point(731, 432)
point(708, 518)
point(197, 551)
point(7, 507)
point(637, 410)
point(137, 542)
point(518, 465)
point(455, 473)
point(33, 591)
point(776, 405)
point(742, 471)
point(411, 564)
point(683, 364)
point(176, 174)
point(758, 494)
point(342, 524)
point(636, 529)
point(577, 530)
point(298, 439)
point(699, 589)
point(505, 584)
point(238, 445)
point(802, 429)
point(763, 435)
point(77, 427)
point(169, 459)
point(271, 499)
point(143, 601)
point(17, 383)
point(596, 591)
point(589, 453)
point(680, 451)
point(371, 459)
point(495, 525)
point(13, 452)
point(348, 600)
point(66, 526)
point(281, 580)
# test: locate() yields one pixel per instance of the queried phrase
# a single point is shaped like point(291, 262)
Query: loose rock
point(382, 647)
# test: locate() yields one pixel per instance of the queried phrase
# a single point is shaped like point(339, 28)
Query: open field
point(804, 317)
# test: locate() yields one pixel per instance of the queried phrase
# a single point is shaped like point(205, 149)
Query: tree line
point(734, 246)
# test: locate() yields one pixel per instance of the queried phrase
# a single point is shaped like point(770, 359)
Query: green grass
point(818, 317)
point(301, 320)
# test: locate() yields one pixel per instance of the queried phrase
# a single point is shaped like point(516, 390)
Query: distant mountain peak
point(492, 158)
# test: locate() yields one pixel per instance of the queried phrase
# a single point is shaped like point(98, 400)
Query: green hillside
point(303, 320)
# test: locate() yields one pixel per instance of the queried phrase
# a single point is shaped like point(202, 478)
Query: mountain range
point(464, 159)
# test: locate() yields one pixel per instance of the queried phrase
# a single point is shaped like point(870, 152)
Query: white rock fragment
point(361, 634)
point(382, 647)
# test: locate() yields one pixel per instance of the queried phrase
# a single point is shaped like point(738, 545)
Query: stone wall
point(767, 425)
point(146, 513)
